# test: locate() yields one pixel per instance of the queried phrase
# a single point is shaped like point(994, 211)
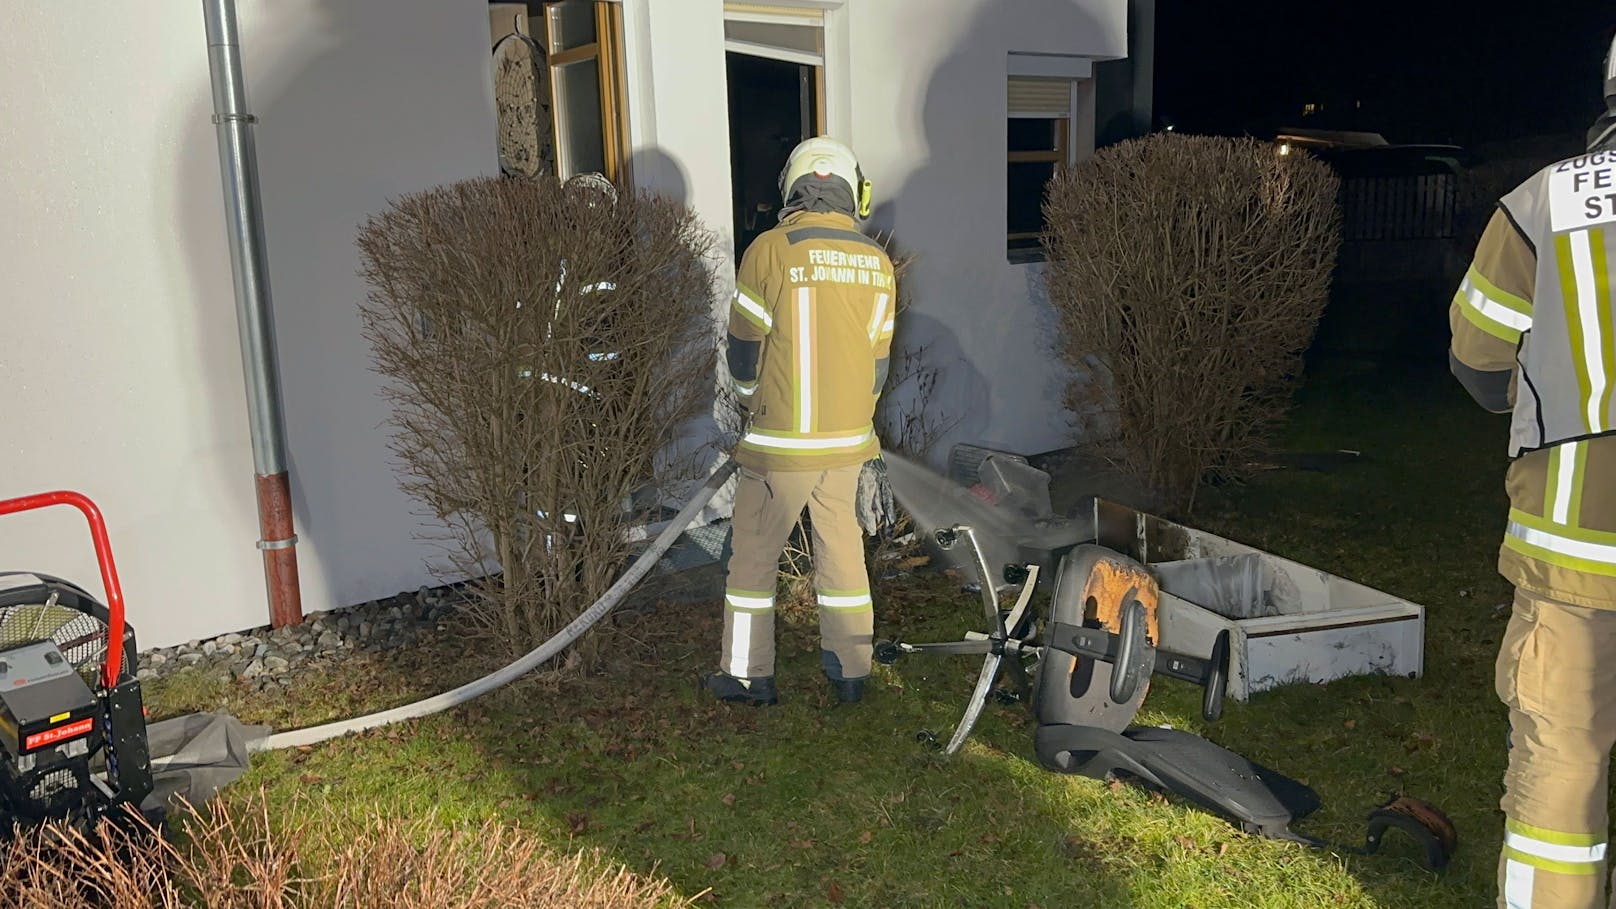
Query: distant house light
point(1284, 148)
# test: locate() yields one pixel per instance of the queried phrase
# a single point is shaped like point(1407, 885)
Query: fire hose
point(534, 658)
point(68, 735)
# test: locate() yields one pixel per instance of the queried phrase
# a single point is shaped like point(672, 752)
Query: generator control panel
point(43, 701)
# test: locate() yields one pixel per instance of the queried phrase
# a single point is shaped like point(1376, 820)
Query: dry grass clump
point(233, 855)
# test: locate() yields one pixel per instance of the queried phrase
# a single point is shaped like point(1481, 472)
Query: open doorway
point(773, 105)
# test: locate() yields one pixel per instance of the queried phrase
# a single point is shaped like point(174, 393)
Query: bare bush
point(233, 856)
point(907, 418)
point(1195, 270)
point(542, 347)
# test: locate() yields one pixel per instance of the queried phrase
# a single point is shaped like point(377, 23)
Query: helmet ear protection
point(861, 192)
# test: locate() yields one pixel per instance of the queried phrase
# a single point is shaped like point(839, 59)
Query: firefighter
point(1533, 336)
point(810, 330)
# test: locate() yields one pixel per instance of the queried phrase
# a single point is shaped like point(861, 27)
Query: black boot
point(758, 692)
point(848, 691)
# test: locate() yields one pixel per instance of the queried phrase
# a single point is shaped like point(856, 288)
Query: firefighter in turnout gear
point(1534, 335)
point(810, 331)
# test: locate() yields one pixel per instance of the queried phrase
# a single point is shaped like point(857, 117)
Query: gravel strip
point(272, 657)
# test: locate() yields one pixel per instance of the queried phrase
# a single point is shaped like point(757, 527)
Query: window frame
point(607, 52)
point(832, 65)
point(798, 15)
point(1073, 120)
point(1060, 156)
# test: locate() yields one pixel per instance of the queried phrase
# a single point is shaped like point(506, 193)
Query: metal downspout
point(238, 166)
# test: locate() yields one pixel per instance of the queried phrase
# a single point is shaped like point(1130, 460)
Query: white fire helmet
point(826, 157)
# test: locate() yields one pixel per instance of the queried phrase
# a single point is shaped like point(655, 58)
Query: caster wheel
point(886, 652)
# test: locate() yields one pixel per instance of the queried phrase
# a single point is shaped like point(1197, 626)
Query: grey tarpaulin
point(195, 756)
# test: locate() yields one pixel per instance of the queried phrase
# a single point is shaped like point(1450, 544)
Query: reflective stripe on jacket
point(1560, 539)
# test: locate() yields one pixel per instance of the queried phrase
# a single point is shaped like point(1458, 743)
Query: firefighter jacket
point(810, 332)
point(1533, 336)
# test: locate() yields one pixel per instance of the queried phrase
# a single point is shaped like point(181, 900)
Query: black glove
point(873, 503)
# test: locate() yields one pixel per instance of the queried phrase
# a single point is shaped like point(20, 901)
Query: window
point(1039, 140)
point(774, 58)
point(1037, 147)
point(558, 76)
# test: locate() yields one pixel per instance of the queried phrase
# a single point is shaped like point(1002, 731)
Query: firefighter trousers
point(1554, 673)
point(767, 507)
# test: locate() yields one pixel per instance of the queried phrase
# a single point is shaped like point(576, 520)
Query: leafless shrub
point(1195, 269)
point(907, 417)
point(542, 347)
point(234, 855)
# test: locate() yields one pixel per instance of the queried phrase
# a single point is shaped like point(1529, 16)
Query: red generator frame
point(60, 785)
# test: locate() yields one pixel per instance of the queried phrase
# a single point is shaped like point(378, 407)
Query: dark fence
point(1402, 222)
point(1401, 211)
point(1398, 192)
point(1401, 207)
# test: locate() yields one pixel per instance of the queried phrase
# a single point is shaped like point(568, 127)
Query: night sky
point(1416, 72)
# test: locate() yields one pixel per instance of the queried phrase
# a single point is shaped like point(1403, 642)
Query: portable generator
point(72, 725)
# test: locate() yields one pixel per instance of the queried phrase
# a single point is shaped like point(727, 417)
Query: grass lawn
point(812, 804)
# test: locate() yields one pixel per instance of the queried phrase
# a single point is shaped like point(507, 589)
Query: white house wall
point(919, 88)
point(122, 376)
point(929, 110)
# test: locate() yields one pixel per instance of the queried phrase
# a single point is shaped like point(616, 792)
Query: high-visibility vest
point(1566, 390)
point(820, 297)
point(1536, 302)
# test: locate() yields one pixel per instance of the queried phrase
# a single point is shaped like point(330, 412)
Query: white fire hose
point(544, 652)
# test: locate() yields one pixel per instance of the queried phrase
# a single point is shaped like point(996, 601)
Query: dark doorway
point(773, 105)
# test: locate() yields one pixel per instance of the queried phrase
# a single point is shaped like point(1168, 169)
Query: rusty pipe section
point(249, 263)
point(279, 545)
